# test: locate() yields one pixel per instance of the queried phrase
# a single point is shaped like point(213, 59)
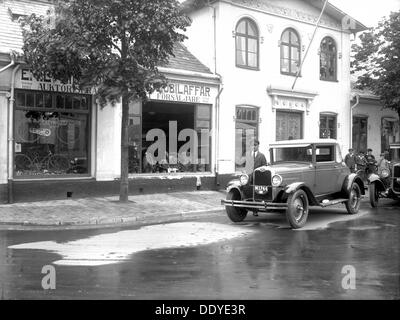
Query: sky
point(368, 12)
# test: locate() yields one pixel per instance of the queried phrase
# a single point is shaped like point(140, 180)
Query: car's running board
point(332, 203)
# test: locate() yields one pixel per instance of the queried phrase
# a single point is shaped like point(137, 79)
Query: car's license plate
point(261, 189)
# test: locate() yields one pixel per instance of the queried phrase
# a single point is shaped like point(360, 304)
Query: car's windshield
point(292, 154)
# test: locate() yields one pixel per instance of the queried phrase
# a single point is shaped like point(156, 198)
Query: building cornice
point(179, 74)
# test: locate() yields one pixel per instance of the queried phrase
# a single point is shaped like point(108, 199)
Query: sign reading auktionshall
point(25, 80)
point(182, 92)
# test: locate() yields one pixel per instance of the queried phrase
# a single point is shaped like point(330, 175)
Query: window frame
point(329, 54)
point(328, 116)
point(247, 37)
point(255, 123)
point(290, 45)
point(287, 112)
point(53, 96)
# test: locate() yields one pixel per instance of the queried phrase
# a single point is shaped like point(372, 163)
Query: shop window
point(328, 126)
point(246, 132)
point(290, 52)
point(289, 125)
point(328, 60)
point(191, 119)
point(247, 44)
point(50, 141)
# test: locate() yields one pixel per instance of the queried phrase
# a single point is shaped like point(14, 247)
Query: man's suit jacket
point(259, 160)
point(253, 163)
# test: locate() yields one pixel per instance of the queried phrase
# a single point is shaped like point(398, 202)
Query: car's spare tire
point(235, 214)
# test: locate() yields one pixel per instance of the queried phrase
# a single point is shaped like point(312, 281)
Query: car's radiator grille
point(262, 178)
point(396, 171)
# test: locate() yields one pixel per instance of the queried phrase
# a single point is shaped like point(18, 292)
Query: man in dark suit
point(254, 159)
point(259, 158)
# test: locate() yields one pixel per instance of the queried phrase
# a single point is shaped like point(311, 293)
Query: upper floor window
point(247, 44)
point(328, 59)
point(290, 52)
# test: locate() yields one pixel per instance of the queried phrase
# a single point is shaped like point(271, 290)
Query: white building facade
point(257, 47)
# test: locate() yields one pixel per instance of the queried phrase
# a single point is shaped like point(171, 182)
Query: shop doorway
point(360, 134)
point(159, 115)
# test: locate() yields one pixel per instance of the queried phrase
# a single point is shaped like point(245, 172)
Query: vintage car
point(300, 174)
point(386, 184)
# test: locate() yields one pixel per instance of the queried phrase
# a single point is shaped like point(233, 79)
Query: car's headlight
point(385, 173)
point(277, 180)
point(244, 179)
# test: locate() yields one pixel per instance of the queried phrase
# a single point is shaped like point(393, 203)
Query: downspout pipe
point(217, 119)
point(217, 98)
point(9, 65)
point(10, 157)
point(357, 96)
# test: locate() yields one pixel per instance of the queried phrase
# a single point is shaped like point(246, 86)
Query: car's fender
point(374, 178)
point(292, 188)
point(348, 182)
point(235, 185)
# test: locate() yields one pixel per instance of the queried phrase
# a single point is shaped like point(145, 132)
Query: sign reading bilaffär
point(181, 92)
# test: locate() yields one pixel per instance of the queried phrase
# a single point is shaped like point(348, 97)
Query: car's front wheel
point(297, 211)
point(373, 195)
point(235, 214)
point(353, 204)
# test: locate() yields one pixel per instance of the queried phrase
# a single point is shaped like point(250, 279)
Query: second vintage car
point(301, 174)
point(386, 183)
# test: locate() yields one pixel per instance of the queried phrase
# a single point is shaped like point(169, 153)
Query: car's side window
point(325, 153)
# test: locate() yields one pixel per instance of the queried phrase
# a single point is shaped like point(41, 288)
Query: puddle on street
point(116, 247)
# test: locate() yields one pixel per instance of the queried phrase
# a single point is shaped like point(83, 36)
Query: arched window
point(247, 44)
point(290, 52)
point(328, 60)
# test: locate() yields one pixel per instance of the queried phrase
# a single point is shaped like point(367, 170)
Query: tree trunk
point(124, 187)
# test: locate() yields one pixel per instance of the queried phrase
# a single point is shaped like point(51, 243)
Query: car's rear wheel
point(235, 214)
point(373, 195)
point(353, 204)
point(297, 211)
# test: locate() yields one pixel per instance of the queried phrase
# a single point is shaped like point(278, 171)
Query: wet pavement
point(212, 258)
point(101, 211)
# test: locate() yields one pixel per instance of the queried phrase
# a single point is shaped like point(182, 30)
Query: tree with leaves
point(113, 46)
point(377, 60)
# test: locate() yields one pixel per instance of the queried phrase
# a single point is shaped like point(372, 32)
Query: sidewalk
point(152, 208)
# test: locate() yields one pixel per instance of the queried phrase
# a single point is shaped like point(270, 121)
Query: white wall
point(108, 144)
point(249, 87)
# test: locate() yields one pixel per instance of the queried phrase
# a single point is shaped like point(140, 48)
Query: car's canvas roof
point(301, 143)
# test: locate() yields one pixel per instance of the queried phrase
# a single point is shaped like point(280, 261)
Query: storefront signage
point(41, 132)
point(181, 92)
point(27, 81)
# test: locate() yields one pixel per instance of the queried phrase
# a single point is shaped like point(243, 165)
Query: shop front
point(62, 141)
point(171, 134)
